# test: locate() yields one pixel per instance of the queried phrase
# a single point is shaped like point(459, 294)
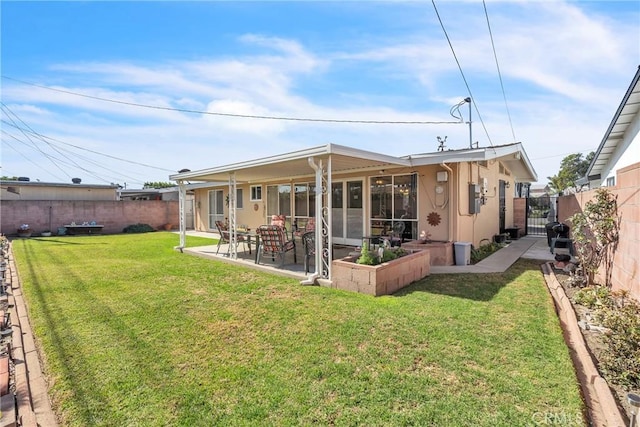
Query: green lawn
point(135, 333)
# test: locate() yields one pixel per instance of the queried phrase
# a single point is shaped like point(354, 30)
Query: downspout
point(451, 194)
point(311, 279)
point(182, 195)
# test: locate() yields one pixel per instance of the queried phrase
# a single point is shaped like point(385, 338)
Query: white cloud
point(556, 47)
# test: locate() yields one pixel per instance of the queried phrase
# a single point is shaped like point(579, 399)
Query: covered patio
point(321, 163)
point(434, 188)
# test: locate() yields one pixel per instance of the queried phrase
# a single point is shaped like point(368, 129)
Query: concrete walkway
point(530, 247)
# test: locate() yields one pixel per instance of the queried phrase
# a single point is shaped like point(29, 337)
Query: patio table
point(248, 235)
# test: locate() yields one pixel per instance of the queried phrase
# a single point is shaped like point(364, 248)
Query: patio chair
point(280, 220)
point(309, 245)
point(273, 241)
point(396, 236)
point(309, 226)
point(223, 230)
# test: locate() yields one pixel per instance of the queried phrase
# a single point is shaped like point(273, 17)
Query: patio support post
point(182, 196)
point(322, 231)
point(233, 237)
point(319, 223)
point(327, 228)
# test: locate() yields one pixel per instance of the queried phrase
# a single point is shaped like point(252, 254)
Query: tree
point(596, 231)
point(158, 185)
point(572, 168)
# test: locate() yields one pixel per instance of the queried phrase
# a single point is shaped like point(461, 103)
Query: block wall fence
point(44, 215)
point(626, 262)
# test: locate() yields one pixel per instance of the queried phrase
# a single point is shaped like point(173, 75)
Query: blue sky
point(565, 67)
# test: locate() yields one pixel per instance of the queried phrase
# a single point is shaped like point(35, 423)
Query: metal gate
point(541, 211)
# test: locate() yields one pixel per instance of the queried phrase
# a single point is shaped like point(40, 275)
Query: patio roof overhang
point(350, 160)
point(295, 164)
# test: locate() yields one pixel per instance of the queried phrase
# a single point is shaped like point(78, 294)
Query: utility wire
point(246, 116)
point(32, 143)
point(28, 158)
point(486, 14)
point(461, 72)
point(91, 151)
point(53, 147)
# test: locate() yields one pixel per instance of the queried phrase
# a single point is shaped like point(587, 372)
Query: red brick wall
point(114, 215)
point(626, 262)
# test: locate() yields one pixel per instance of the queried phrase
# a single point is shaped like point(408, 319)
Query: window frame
point(253, 197)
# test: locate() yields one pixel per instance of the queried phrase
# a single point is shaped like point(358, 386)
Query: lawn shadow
point(58, 328)
point(67, 240)
point(476, 286)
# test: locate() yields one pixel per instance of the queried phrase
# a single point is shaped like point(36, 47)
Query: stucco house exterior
point(455, 195)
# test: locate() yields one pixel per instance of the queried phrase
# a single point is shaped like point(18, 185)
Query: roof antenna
point(441, 142)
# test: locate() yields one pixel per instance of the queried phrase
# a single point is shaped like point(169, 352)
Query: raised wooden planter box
point(381, 279)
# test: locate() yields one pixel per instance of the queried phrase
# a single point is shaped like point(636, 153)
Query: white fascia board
point(323, 150)
point(475, 155)
point(315, 151)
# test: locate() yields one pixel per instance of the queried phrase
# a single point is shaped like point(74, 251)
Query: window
point(239, 202)
point(304, 200)
point(611, 181)
point(394, 199)
point(279, 200)
point(256, 193)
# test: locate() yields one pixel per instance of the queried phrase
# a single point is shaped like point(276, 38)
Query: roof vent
point(24, 178)
point(76, 180)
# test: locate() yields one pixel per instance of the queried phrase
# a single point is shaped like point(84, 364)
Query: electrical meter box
point(474, 198)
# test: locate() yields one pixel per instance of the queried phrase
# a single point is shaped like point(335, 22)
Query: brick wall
point(626, 262)
point(114, 215)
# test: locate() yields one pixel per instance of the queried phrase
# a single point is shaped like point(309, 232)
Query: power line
point(90, 151)
point(461, 72)
point(9, 113)
point(245, 116)
point(50, 145)
point(499, 73)
point(27, 158)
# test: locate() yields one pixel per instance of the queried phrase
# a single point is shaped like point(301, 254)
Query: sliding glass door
point(216, 207)
point(347, 212)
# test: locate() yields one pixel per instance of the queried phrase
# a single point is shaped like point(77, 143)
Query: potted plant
point(24, 230)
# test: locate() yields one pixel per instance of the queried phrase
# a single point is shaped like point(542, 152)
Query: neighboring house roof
point(616, 140)
point(14, 183)
point(348, 160)
point(36, 190)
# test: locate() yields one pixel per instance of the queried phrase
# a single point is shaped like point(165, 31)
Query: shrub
point(483, 251)
point(593, 297)
point(366, 257)
point(596, 231)
point(621, 316)
point(138, 228)
point(621, 363)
